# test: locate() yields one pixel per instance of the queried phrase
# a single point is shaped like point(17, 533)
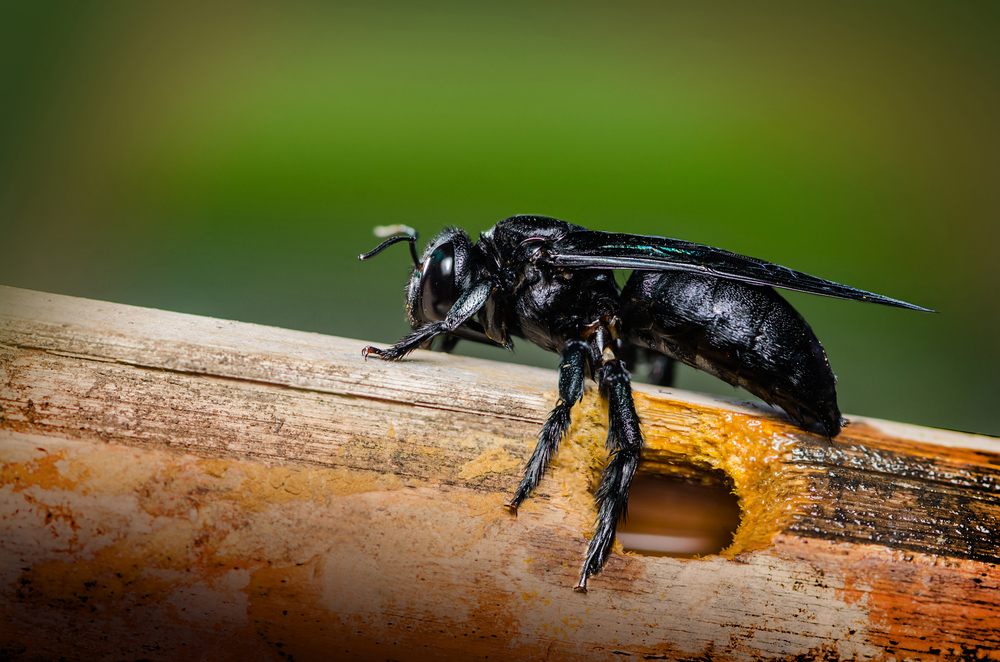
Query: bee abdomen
point(746, 335)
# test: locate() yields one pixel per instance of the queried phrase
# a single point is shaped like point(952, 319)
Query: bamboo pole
point(178, 485)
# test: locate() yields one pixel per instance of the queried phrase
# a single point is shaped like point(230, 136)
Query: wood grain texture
point(171, 483)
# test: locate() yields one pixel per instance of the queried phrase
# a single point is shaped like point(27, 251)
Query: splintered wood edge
point(441, 430)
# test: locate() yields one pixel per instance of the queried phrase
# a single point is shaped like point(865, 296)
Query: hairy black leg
point(625, 444)
point(467, 305)
point(572, 372)
point(409, 342)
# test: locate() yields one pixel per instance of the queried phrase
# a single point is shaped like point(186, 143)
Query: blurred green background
point(230, 159)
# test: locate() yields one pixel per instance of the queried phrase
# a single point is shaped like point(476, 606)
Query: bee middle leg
point(572, 371)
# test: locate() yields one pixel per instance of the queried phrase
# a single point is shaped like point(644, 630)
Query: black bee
point(552, 283)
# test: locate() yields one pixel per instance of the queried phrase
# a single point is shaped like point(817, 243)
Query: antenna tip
point(383, 231)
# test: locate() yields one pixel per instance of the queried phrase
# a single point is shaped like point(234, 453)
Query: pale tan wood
point(173, 483)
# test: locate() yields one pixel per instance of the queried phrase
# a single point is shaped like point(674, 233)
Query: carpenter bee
point(552, 283)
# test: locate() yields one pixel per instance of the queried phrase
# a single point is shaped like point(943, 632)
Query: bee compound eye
point(437, 290)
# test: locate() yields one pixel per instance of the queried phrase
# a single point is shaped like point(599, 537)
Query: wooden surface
point(175, 485)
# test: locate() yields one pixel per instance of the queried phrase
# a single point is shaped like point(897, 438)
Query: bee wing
point(586, 249)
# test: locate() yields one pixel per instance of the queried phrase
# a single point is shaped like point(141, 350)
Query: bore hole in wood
point(680, 516)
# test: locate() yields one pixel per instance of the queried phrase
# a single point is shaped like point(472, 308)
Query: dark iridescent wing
point(611, 250)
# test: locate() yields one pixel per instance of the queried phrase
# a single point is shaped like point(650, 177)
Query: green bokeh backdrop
point(230, 159)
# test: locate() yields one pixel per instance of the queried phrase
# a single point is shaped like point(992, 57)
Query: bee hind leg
point(625, 444)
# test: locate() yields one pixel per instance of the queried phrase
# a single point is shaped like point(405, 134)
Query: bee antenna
point(402, 233)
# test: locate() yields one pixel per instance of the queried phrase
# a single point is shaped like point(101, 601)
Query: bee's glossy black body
point(552, 283)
